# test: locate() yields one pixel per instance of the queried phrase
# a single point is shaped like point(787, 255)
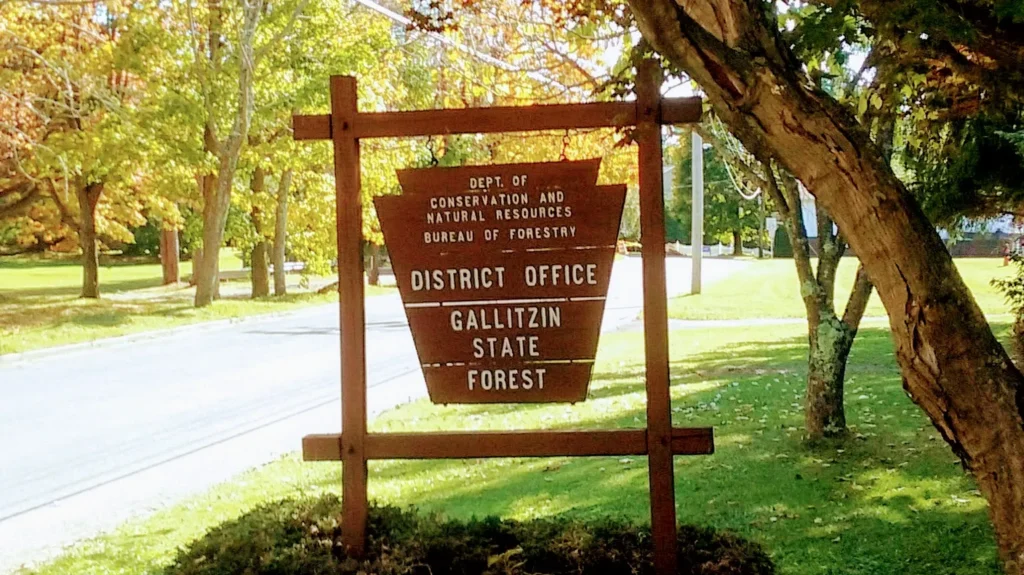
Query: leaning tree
point(952, 364)
point(754, 79)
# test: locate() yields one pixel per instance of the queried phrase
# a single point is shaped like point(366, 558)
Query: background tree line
point(124, 119)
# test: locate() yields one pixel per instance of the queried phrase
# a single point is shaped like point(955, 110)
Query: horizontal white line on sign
point(504, 301)
point(563, 249)
point(509, 363)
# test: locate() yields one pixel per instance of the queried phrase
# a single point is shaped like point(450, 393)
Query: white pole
point(697, 217)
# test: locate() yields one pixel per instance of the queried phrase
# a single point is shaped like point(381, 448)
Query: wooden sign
point(504, 272)
point(509, 309)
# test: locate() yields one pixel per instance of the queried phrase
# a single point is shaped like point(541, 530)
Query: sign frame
point(345, 126)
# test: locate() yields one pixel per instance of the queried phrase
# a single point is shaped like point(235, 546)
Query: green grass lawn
point(769, 288)
point(40, 307)
point(891, 499)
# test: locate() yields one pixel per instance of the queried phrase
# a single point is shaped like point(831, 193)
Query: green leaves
point(725, 210)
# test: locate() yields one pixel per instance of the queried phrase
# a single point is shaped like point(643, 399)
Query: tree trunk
point(737, 243)
point(197, 256)
point(260, 276)
point(206, 271)
point(217, 196)
point(281, 233)
point(88, 198)
point(829, 337)
point(373, 275)
point(169, 256)
point(760, 226)
point(258, 261)
point(830, 341)
point(953, 367)
point(829, 349)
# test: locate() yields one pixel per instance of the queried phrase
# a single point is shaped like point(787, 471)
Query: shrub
point(147, 240)
point(1013, 291)
point(783, 247)
point(297, 537)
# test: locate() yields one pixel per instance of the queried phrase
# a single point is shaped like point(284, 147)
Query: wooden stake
point(352, 315)
point(652, 228)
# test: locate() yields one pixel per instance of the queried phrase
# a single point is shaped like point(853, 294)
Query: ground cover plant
point(769, 289)
point(40, 307)
point(304, 537)
point(889, 499)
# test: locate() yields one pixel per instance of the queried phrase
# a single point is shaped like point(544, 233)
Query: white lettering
point(457, 279)
point(502, 380)
point(560, 274)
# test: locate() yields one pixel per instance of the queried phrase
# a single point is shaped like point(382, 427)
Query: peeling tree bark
point(829, 337)
point(953, 367)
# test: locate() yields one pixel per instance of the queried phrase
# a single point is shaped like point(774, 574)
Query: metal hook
point(565, 147)
point(430, 148)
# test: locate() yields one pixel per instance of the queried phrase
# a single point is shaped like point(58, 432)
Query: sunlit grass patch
point(40, 307)
point(769, 289)
point(888, 500)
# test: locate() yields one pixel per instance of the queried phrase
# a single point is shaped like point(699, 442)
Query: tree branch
point(262, 51)
point(858, 302)
point(28, 194)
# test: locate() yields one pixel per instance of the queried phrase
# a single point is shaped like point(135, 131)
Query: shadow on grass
point(56, 314)
point(52, 259)
point(58, 309)
point(73, 291)
point(888, 499)
point(22, 262)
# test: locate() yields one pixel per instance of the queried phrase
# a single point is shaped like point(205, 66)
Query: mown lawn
point(769, 289)
point(890, 499)
point(40, 307)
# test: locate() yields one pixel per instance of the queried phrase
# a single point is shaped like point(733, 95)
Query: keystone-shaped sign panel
point(504, 271)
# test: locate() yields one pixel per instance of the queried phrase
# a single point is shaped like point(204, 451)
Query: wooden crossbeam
point(497, 119)
point(480, 444)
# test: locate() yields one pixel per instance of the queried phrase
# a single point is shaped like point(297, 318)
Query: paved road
point(92, 436)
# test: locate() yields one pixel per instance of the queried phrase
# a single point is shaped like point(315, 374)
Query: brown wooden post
point(352, 314)
point(652, 229)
